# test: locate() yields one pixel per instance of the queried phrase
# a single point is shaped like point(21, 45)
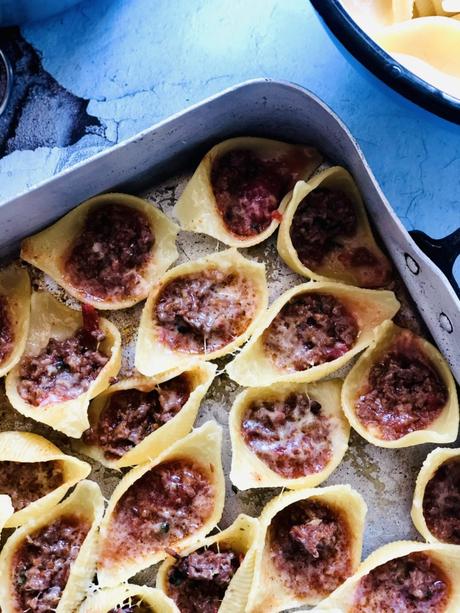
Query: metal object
point(156, 164)
point(5, 92)
point(357, 45)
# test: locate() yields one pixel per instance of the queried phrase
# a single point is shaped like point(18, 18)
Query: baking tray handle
point(442, 251)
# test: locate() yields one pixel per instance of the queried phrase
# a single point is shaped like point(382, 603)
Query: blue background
point(137, 61)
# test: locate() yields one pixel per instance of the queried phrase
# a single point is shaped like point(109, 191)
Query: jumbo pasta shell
point(25, 449)
point(446, 501)
point(85, 508)
point(199, 376)
point(240, 538)
point(51, 319)
point(197, 209)
point(249, 468)
point(245, 296)
point(443, 429)
point(357, 259)
point(446, 557)
point(50, 249)
point(6, 510)
point(275, 589)
point(106, 600)
point(15, 308)
point(253, 366)
point(126, 550)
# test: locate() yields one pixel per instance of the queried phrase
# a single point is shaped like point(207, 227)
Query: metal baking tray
point(156, 164)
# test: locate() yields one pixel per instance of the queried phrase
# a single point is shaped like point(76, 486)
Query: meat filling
point(411, 584)
point(441, 502)
point(404, 393)
point(205, 311)
point(168, 503)
point(42, 563)
point(291, 435)
point(309, 545)
point(26, 482)
point(64, 369)
point(322, 218)
point(131, 415)
point(133, 605)
point(108, 256)
point(6, 330)
point(248, 189)
point(198, 582)
point(310, 329)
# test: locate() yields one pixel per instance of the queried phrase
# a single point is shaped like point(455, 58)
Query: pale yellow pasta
point(446, 556)
point(6, 510)
point(15, 294)
point(108, 599)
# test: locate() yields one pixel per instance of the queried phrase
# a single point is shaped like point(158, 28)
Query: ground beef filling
point(106, 259)
point(26, 482)
point(441, 502)
point(198, 582)
point(6, 330)
point(133, 605)
point(309, 545)
point(411, 584)
point(404, 393)
point(310, 329)
point(131, 415)
point(322, 218)
point(291, 435)
point(205, 311)
point(248, 189)
point(64, 369)
point(168, 503)
point(42, 564)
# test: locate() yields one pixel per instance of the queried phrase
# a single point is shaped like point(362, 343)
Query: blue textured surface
point(137, 61)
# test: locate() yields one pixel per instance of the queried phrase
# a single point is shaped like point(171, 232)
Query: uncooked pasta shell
point(15, 288)
point(197, 210)
point(86, 502)
point(333, 268)
point(443, 429)
point(240, 537)
point(269, 592)
point(153, 356)
point(48, 249)
point(249, 471)
point(252, 366)
point(432, 462)
point(447, 556)
point(103, 601)
point(27, 448)
point(203, 447)
point(52, 319)
point(201, 375)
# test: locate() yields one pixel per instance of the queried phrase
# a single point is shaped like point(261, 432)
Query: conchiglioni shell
point(424, 8)
point(402, 10)
point(269, 593)
point(335, 178)
point(240, 537)
point(201, 375)
point(48, 249)
point(107, 599)
point(203, 447)
point(447, 556)
point(197, 210)
point(6, 510)
point(27, 448)
point(152, 355)
point(442, 430)
point(86, 502)
point(431, 464)
point(252, 367)
point(52, 319)
point(370, 16)
point(15, 287)
point(249, 471)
